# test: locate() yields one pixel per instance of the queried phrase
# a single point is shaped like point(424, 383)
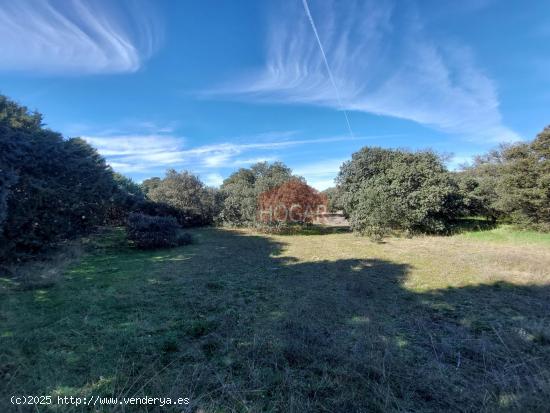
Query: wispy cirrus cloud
point(252, 161)
point(156, 152)
point(382, 62)
point(135, 145)
point(76, 37)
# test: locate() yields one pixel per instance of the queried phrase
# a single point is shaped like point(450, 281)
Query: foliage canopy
point(50, 188)
point(241, 191)
point(387, 189)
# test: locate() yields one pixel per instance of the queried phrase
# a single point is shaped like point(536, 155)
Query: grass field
point(321, 322)
point(508, 234)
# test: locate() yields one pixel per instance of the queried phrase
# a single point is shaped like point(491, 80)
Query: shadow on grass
point(238, 326)
point(313, 229)
point(472, 224)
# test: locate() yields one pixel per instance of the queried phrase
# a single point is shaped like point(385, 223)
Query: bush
point(51, 188)
point(186, 218)
point(149, 232)
point(186, 193)
point(127, 197)
point(384, 190)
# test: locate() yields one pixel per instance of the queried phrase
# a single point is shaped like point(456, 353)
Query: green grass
point(508, 234)
point(325, 321)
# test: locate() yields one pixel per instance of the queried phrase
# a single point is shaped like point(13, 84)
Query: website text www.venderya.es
point(98, 401)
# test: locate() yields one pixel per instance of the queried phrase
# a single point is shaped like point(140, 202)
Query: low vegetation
point(245, 322)
point(153, 232)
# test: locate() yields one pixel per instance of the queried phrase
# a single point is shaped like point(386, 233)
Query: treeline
point(381, 190)
point(511, 183)
point(52, 189)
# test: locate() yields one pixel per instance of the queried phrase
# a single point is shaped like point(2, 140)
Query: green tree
point(524, 187)
point(50, 188)
point(129, 196)
point(386, 189)
point(149, 184)
point(128, 186)
point(479, 185)
point(241, 191)
point(511, 182)
point(334, 202)
point(186, 192)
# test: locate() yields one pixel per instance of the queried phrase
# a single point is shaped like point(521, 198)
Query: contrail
point(310, 17)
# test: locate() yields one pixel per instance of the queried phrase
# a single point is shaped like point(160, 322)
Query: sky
point(213, 86)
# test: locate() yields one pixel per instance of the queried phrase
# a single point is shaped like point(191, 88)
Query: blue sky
point(212, 86)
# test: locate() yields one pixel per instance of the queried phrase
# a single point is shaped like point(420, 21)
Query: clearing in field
point(325, 322)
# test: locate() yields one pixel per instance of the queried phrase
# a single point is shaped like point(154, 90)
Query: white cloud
point(139, 153)
point(320, 184)
point(143, 152)
point(320, 174)
point(73, 36)
point(457, 161)
point(154, 152)
point(218, 159)
point(252, 161)
point(214, 179)
point(126, 168)
point(135, 145)
point(382, 62)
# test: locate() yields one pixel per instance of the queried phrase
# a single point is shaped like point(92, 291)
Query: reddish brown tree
point(292, 201)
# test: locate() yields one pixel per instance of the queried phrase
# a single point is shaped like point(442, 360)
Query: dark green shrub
point(386, 189)
point(185, 192)
point(185, 218)
point(127, 197)
point(51, 188)
point(524, 187)
point(149, 232)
